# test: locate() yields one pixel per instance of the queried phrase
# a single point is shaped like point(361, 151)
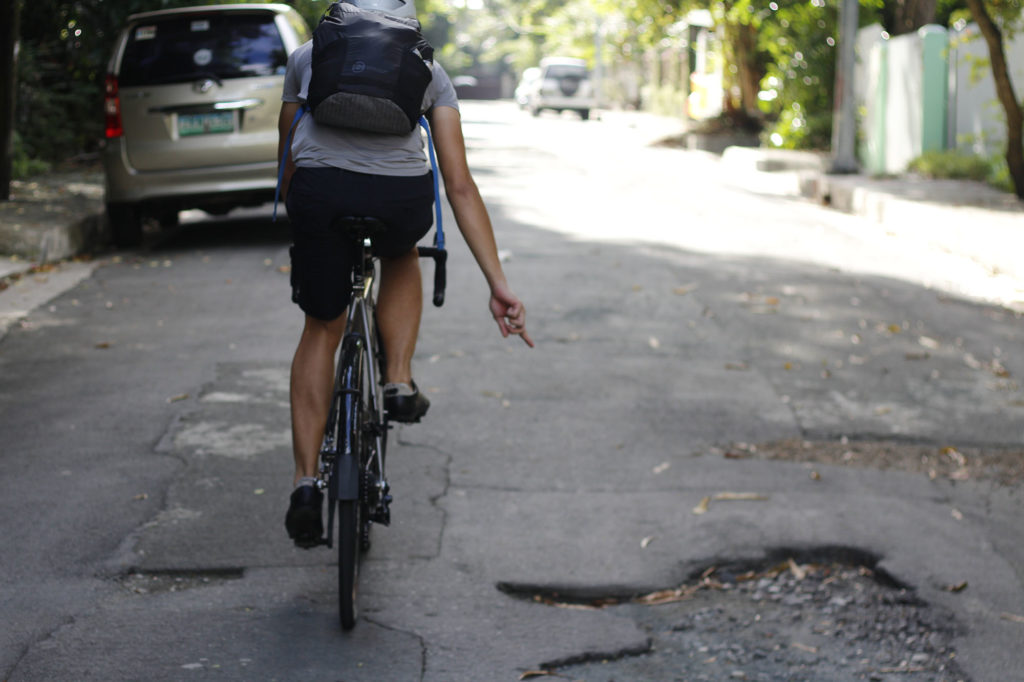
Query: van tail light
point(112, 108)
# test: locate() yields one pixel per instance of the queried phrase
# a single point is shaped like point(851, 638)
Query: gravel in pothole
point(812, 622)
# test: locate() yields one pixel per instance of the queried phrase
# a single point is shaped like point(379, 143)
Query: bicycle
point(353, 451)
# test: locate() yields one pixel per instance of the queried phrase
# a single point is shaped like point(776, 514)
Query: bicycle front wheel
point(348, 561)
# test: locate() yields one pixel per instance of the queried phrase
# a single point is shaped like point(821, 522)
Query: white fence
point(919, 92)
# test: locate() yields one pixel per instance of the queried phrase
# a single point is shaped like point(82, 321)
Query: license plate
point(204, 124)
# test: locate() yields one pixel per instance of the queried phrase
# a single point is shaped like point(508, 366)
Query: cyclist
point(332, 172)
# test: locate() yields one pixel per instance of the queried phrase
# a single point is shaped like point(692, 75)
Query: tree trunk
point(910, 15)
point(10, 22)
point(742, 40)
point(1004, 90)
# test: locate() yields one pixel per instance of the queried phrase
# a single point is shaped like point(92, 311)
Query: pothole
point(173, 580)
point(826, 614)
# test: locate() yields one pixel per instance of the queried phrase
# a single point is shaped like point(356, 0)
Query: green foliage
point(22, 164)
point(61, 68)
point(953, 164)
point(65, 47)
point(801, 38)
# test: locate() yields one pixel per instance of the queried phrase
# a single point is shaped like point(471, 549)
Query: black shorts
point(322, 257)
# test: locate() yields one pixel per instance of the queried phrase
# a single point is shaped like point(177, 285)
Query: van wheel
point(168, 218)
point(585, 114)
point(125, 224)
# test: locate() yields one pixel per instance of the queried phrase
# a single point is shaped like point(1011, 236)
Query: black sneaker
point(304, 520)
point(405, 403)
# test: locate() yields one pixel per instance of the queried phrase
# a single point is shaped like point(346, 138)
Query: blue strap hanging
point(439, 233)
point(284, 157)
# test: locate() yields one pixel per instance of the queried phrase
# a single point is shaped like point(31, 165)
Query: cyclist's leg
point(407, 209)
point(312, 380)
point(321, 259)
point(321, 262)
point(399, 308)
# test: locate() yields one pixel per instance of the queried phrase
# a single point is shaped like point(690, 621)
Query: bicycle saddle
point(361, 226)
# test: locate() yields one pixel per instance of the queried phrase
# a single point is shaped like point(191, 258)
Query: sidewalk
point(962, 217)
point(51, 217)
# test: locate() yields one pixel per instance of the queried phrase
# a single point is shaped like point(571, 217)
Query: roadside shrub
point(22, 164)
point(952, 164)
point(955, 164)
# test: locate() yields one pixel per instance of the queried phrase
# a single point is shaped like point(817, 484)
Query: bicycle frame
point(341, 468)
point(362, 311)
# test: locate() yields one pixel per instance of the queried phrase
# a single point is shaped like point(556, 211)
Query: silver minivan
point(192, 100)
point(563, 84)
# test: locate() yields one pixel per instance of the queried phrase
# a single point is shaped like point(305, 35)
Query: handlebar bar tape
point(440, 257)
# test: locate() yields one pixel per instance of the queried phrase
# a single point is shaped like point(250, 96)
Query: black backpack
point(370, 71)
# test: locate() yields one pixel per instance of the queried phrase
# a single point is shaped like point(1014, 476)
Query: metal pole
point(844, 122)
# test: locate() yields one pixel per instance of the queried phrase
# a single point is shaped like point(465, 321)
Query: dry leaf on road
point(702, 507)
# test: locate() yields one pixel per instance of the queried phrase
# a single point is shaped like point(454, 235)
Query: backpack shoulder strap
point(284, 157)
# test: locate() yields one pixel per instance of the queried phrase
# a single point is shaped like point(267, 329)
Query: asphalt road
point(681, 313)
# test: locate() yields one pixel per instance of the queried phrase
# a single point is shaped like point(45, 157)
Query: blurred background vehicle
point(562, 85)
point(192, 100)
point(522, 93)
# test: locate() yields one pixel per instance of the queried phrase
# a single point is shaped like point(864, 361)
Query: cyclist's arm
point(284, 125)
point(473, 220)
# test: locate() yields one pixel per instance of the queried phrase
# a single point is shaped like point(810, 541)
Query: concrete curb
point(53, 217)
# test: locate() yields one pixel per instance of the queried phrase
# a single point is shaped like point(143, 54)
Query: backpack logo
point(370, 71)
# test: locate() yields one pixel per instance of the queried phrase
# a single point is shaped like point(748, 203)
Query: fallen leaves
point(680, 593)
point(685, 289)
point(804, 647)
point(1004, 465)
point(705, 503)
point(956, 587)
point(1012, 617)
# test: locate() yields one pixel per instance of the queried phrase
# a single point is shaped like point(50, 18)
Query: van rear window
point(217, 46)
point(566, 71)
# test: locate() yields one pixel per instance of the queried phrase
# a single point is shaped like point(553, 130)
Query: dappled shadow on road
point(849, 355)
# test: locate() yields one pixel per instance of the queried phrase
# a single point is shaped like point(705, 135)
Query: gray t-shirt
point(315, 145)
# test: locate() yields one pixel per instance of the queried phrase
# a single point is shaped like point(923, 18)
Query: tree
point(8, 88)
point(740, 22)
point(989, 24)
point(906, 16)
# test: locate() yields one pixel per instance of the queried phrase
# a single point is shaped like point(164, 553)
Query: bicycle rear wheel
point(348, 561)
